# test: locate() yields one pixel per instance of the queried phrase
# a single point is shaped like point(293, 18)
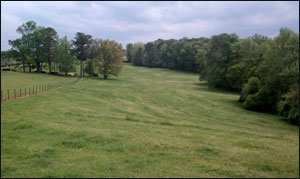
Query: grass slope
point(15, 80)
point(147, 123)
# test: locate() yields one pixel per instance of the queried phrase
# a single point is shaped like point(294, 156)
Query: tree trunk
point(49, 66)
point(38, 67)
point(23, 67)
point(81, 68)
point(105, 76)
point(29, 67)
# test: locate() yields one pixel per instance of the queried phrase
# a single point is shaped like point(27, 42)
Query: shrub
point(249, 88)
point(263, 100)
point(288, 107)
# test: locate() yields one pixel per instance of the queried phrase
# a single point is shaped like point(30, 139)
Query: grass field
point(15, 80)
point(146, 123)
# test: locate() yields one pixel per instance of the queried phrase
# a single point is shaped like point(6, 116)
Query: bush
point(289, 106)
point(249, 88)
point(263, 100)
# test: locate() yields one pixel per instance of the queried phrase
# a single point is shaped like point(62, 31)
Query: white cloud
point(147, 21)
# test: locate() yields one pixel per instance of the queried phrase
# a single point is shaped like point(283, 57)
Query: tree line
point(38, 45)
point(264, 70)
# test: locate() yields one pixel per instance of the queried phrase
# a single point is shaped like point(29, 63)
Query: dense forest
point(264, 70)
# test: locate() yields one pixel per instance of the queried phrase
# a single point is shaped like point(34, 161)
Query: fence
point(30, 91)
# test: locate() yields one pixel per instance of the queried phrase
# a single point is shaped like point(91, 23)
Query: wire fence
point(31, 91)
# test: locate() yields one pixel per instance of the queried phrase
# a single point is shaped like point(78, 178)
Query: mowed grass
point(17, 80)
point(146, 123)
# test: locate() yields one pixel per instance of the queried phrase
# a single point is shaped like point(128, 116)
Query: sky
point(131, 22)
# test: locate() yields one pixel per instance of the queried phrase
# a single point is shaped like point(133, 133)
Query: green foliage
point(49, 41)
point(128, 52)
point(23, 49)
point(109, 59)
point(36, 45)
point(278, 75)
point(219, 57)
point(82, 43)
point(152, 56)
point(246, 57)
point(263, 100)
point(289, 105)
point(64, 56)
point(137, 54)
point(250, 88)
point(173, 54)
point(90, 67)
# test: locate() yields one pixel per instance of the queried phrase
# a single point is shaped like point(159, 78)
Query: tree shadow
point(240, 105)
point(102, 79)
point(203, 86)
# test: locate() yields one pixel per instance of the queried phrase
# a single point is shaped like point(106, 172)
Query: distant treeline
point(264, 70)
point(39, 45)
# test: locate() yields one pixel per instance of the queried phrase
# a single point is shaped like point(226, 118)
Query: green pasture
point(16, 80)
point(148, 122)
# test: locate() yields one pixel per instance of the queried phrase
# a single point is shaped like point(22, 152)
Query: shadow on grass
point(167, 69)
point(240, 105)
point(102, 79)
point(203, 86)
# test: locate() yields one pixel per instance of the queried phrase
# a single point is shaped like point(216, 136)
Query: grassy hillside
point(146, 123)
point(15, 80)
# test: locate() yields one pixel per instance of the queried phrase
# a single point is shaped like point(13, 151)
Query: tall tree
point(38, 52)
point(82, 43)
point(64, 56)
point(137, 54)
point(278, 77)
point(25, 46)
point(219, 57)
point(151, 55)
point(18, 51)
point(50, 39)
point(128, 50)
point(93, 52)
point(109, 58)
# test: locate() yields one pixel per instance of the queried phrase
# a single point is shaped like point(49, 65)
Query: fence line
point(36, 89)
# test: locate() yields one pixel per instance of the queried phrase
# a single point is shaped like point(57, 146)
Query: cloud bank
point(132, 22)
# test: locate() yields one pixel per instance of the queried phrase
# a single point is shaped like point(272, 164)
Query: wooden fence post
point(36, 89)
point(8, 94)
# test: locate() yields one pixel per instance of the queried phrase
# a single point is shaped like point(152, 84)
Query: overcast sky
point(128, 22)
